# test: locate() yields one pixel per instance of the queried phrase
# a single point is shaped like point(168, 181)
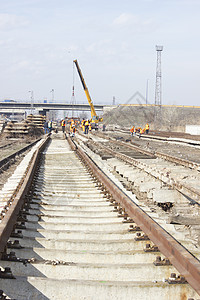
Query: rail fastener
point(6, 273)
point(174, 279)
point(161, 262)
point(17, 234)
point(14, 245)
point(20, 225)
point(141, 237)
point(151, 248)
point(134, 228)
point(12, 257)
point(127, 220)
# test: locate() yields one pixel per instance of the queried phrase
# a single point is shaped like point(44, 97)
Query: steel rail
point(180, 161)
point(182, 140)
point(177, 160)
point(7, 159)
point(7, 144)
point(186, 163)
point(164, 177)
point(180, 257)
point(17, 199)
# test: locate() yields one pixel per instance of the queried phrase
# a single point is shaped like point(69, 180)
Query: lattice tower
point(158, 90)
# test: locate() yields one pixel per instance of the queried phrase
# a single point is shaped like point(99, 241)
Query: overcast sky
point(114, 42)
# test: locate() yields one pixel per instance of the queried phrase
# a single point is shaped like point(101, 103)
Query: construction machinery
point(94, 118)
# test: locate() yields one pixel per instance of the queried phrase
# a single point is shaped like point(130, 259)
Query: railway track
point(138, 156)
point(78, 236)
point(11, 156)
point(168, 181)
point(178, 152)
point(175, 137)
point(8, 160)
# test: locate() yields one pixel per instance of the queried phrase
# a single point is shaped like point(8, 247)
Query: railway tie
point(72, 240)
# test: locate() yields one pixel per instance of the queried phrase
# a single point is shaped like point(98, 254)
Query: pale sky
point(114, 42)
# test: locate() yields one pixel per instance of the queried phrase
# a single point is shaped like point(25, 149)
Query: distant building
point(8, 100)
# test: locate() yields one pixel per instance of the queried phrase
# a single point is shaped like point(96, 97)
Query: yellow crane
point(94, 118)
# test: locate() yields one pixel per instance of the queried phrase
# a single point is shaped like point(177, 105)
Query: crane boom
point(94, 116)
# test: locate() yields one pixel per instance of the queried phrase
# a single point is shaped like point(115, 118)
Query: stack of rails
point(2, 125)
point(13, 129)
point(26, 127)
point(36, 120)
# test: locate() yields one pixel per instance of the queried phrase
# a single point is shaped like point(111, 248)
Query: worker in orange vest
point(71, 126)
point(63, 125)
point(132, 130)
point(83, 125)
point(147, 128)
point(86, 127)
point(73, 130)
point(141, 132)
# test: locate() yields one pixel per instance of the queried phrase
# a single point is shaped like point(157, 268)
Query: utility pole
point(158, 91)
point(147, 88)
point(52, 98)
point(53, 113)
point(32, 100)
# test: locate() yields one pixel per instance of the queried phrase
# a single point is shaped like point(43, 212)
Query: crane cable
point(73, 80)
point(73, 100)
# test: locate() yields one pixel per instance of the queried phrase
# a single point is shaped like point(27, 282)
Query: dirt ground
point(168, 118)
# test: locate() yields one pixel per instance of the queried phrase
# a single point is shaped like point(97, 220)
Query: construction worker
point(46, 129)
point(90, 127)
point(147, 128)
point(141, 132)
point(132, 130)
point(83, 125)
point(50, 126)
point(71, 126)
point(138, 129)
point(63, 125)
point(73, 130)
point(86, 126)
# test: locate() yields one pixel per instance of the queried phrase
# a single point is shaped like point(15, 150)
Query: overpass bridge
point(20, 108)
point(47, 106)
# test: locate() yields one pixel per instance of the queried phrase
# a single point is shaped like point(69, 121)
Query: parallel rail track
point(164, 176)
point(81, 237)
point(8, 160)
point(177, 138)
point(171, 158)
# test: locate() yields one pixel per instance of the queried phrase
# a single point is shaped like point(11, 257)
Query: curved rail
point(181, 258)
